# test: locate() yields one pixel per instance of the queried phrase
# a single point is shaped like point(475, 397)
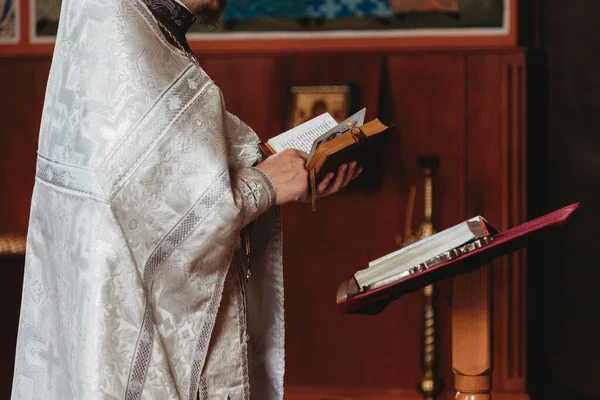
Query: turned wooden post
point(472, 361)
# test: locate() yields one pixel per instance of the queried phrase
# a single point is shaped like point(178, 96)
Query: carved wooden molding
point(510, 271)
point(496, 188)
point(12, 244)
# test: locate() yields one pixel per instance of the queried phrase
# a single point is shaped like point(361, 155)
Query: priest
point(154, 260)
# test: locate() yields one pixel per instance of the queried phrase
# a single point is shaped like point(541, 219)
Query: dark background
point(564, 321)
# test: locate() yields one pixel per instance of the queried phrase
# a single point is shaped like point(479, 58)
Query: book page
point(357, 120)
point(303, 136)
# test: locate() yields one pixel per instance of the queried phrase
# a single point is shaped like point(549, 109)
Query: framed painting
point(44, 20)
point(307, 102)
point(9, 22)
point(332, 25)
point(373, 20)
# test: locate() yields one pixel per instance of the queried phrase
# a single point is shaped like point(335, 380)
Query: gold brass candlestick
point(408, 237)
point(430, 385)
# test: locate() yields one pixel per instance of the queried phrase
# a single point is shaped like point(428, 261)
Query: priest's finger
point(325, 183)
point(357, 173)
point(339, 179)
point(302, 154)
point(349, 173)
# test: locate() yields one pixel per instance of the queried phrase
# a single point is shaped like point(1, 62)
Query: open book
point(460, 239)
point(329, 144)
point(457, 250)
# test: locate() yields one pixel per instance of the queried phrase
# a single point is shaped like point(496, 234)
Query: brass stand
point(430, 385)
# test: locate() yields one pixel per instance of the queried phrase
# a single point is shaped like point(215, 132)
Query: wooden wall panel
point(10, 301)
point(447, 103)
point(496, 181)
point(23, 84)
point(510, 274)
point(323, 248)
point(483, 129)
point(428, 102)
point(251, 89)
point(22, 89)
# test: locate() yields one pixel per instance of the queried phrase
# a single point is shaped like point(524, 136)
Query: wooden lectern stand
point(470, 267)
point(472, 360)
point(471, 315)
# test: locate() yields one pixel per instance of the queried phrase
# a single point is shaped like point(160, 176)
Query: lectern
point(471, 300)
point(472, 361)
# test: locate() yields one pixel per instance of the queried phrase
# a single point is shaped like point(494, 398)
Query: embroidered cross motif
point(192, 84)
point(51, 359)
point(252, 192)
point(174, 103)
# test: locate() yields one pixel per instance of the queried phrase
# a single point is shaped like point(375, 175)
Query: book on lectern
point(462, 248)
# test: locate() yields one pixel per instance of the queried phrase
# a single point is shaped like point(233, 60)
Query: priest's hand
point(288, 172)
point(332, 183)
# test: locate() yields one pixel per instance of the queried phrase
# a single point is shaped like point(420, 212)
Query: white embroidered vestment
point(134, 281)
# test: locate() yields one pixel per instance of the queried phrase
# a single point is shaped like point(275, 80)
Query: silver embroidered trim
point(208, 324)
point(190, 222)
point(152, 127)
point(242, 316)
point(76, 180)
point(277, 259)
point(203, 392)
point(268, 183)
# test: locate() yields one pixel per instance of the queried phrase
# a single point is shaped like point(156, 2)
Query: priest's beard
point(209, 12)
